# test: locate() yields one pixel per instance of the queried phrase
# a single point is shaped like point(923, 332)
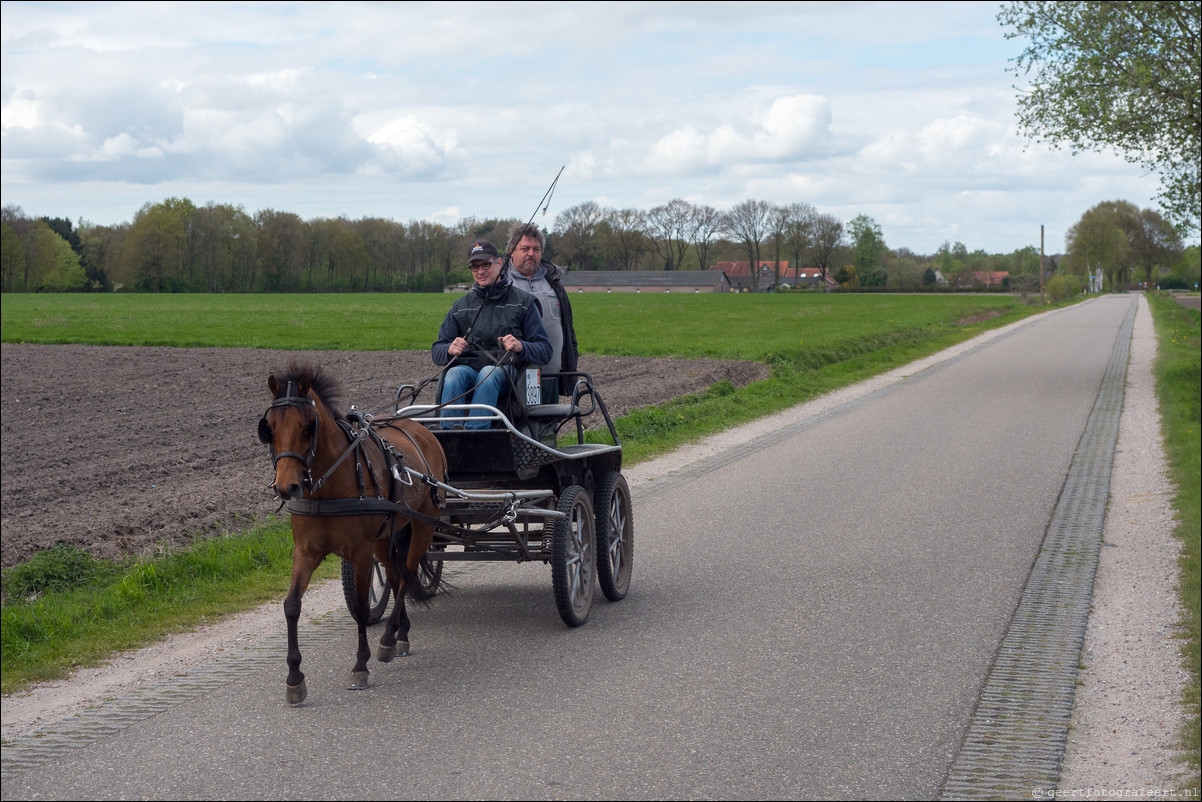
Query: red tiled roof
point(741, 268)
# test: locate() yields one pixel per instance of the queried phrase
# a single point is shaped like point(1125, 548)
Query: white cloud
point(121, 146)
point(887, 109)
point(794, 128)
point(407, 148)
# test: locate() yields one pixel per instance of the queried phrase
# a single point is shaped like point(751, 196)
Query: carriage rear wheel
point(429, 574)
point(377, 596)
point(574, 556)
point(615, 536)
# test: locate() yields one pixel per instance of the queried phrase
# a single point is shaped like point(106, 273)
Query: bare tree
point(749, 223)
point(778, 223)
point(628, 235)
point(671, 230)
point(828, 236)
point(800, 222)
point(576, 228)
point(706, 224)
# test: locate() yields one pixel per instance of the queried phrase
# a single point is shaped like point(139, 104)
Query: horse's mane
point(324, 386)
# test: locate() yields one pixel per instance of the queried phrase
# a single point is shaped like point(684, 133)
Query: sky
point(904, 112)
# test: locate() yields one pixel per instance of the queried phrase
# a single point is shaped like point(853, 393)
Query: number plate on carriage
point(534, 389)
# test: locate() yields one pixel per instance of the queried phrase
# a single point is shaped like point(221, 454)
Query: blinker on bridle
point(290, 399)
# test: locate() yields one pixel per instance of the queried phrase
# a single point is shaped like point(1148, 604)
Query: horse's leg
point(386, 651)
point(421, 535)
point(363, 578)
point(303, 566)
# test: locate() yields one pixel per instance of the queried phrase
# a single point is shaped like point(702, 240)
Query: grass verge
point(68, 609)
point(1178, 373)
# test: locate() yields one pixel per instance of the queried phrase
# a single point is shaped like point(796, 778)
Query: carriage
point(515, 493)
point(398, 496)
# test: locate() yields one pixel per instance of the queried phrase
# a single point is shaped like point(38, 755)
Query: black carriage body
point(514, 493)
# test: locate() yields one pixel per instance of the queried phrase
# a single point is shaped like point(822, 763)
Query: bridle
point(290, 399)
point(358, 429)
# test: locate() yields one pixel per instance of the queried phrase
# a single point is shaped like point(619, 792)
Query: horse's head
point(289, 426)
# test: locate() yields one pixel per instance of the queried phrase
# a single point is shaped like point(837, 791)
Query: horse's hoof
point(358, 681)
point(385, 653)
point(402, 648)
point(297, 693)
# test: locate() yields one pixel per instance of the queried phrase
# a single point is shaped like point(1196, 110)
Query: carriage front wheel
point(377, 596)
point(574, 556)
point(429, 574)
point(615, 536)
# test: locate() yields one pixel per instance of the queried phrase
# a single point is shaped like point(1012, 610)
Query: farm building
point(663, 281)
point(982, 278)
point(765, 280)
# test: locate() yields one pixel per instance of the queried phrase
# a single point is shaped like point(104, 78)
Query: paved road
point(814, 619)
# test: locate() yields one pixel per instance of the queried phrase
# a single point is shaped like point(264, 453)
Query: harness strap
point(345, 507)
point(354, 506)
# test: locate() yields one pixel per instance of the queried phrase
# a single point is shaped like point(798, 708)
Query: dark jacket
point(570, 354)
point(483, 315)
point(570, 351)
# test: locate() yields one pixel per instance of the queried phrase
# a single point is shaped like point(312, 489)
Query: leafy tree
point(903, 270)
point(281, 249)
point(1062, 287)
point(12, 258)
point(103, 254)
point(63, 227)
point(846, 276)
point(869, 245)
point(223, 246)
point(158, 245)
point(1154, 242)
point(1024, 261)
point(1186, 274)
point(1097, 241)
point(62, 271)
point(1121, 75)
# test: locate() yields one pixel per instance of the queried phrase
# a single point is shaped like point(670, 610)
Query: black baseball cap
point(482, 250)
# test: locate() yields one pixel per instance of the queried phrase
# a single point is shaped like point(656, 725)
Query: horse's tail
point(399, 552)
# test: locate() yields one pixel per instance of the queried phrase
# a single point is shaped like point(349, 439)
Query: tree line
point(176, 246)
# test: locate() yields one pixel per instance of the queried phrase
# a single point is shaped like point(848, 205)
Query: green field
point(756, 327)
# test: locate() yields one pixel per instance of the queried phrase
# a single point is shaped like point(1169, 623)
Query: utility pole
point(1041, 301)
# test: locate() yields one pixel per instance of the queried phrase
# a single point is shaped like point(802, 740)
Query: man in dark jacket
point(495, 324)
point(543, 279)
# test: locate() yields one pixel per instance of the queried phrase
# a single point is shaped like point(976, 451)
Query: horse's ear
point(273, 385)
point(302, 385)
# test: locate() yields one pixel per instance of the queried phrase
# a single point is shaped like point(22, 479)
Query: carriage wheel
point(429, 574)
point(377, 596)
point(615, 536)
point(573, 557)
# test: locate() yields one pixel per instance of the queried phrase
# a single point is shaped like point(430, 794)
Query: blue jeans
point(460, 380)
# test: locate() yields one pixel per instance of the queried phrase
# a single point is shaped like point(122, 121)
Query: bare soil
point(123, 451)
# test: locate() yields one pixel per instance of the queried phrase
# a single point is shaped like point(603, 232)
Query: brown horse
point(363, 505)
